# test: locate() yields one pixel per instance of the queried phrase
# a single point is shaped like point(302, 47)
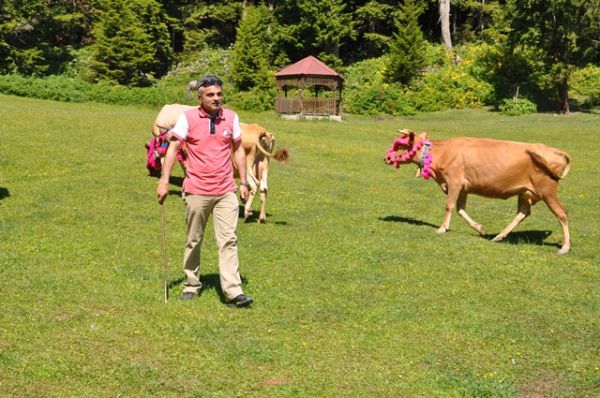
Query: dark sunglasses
point(208, 81)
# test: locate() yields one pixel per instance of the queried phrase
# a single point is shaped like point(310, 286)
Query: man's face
point(210, 99)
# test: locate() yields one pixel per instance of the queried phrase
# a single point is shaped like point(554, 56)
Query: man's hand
point(244, 191)
point(162, 191)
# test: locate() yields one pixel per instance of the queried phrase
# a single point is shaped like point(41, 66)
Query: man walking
point(209, 131)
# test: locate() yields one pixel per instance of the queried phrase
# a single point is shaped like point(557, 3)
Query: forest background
point(397, 57)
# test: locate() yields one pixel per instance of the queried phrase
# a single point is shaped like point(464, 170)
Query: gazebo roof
point(309, 66)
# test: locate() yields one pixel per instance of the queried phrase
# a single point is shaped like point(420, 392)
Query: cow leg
point(523, 210)
point(251, 194)
point(262, 218)
point(461, 204)
point(561, 214)
point(453, 194)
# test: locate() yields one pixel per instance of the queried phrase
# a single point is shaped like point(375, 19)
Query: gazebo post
point(301, 95)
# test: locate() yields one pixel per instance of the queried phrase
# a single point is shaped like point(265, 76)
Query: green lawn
point(355, 294)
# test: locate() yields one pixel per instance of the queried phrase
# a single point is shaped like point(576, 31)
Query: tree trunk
point(444, 10)
point(564, 96)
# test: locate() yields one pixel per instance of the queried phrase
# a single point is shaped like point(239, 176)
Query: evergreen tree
point(562, 34)
point(328, 26)
point(38, 37)
point(252, 51)
point(375, 28)
point(132, 44)
point(211, 25)
point(407, 55)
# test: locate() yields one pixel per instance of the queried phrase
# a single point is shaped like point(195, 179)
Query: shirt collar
point(203, 113)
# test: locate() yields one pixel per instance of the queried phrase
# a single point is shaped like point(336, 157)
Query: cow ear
point(411, 138)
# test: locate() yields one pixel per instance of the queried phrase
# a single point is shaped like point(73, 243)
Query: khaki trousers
point(225, 212)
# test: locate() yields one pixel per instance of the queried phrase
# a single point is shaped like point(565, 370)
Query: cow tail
point(556, 170)
point(282, 155)
point(568, 164)
point(263, 150)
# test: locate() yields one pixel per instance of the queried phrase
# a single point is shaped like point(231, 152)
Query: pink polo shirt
point(208, 166)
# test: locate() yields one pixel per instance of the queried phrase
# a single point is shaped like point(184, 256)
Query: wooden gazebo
point(308, 77)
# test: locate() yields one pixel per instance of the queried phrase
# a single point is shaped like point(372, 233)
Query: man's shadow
point(210, 282)
point(4, 193)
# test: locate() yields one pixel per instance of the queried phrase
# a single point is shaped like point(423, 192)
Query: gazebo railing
point(307, 106)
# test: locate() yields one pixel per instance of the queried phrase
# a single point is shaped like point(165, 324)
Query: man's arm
point(239, 157)
point(162, 191)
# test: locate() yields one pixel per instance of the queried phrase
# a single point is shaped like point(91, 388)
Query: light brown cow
point(167, 117)
point(258, 145)
point(490, 168)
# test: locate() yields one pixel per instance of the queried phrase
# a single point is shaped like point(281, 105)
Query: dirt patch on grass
point(274, 381)
point(549, 384)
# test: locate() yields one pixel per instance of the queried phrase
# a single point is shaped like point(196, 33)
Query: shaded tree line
point(136, 42)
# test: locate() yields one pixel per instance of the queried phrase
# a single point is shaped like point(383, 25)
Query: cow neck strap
point(425, 160)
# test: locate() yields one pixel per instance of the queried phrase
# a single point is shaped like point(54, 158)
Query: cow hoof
point(262, 220)
point(440, 230)
point(563, 250)
point(479, 229)
point(498, 238)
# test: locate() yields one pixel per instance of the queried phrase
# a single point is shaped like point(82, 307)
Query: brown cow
point(257, 142)
point(157, 146)
point(258, 145)
point(490, 168)
point(167, 117)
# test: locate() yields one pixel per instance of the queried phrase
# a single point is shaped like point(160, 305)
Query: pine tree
point(132, 45)
point(38, 37)
point(407, 56)
point(252, 54)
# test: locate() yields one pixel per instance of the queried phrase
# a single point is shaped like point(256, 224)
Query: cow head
point(403, 148)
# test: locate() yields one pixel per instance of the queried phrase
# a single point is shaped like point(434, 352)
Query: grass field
point(355, 294)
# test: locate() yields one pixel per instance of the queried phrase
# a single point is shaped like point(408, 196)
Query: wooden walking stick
point(164, 252)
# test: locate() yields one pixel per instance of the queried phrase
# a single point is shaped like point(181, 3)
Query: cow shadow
point(174, 192)
point(4, 193)
point(253, 218)
point(531, 237)
point(173, 180)
point(176, 180)
point(407, 220)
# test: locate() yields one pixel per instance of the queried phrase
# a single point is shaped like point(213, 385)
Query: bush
point(517, 106)
point(60, 88)
point(450, 87)
point(381, 99)
point(444, 85)
point(253, 100)
point(585, 83)
point(366, 93)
